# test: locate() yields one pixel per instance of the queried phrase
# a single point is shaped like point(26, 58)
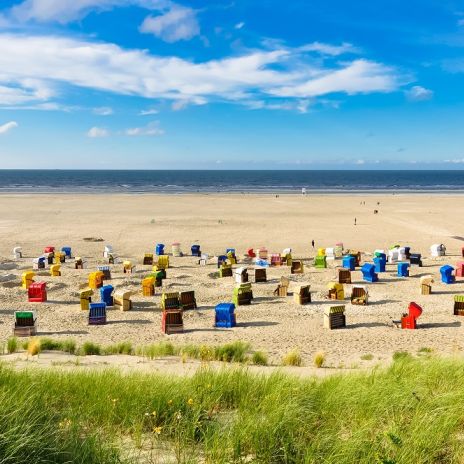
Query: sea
point(253, 181)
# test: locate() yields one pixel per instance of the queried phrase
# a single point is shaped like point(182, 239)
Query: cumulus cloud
point(65, 11)
point(54, 61)
point(151, 129)
point(418, 93)
point(7, 127)
point(97, 132)
point(179, 23)
point(103, 111)
point(239, 25)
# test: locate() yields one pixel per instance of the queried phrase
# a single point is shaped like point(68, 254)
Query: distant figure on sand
point(303, 191)
point(354, 221)
point(312, 243)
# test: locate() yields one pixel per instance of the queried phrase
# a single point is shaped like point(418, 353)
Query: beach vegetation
point(259, 358)
point(319, 359)
point(12, 345)
point(292, 358)
point(367, 357)
point(405, 413)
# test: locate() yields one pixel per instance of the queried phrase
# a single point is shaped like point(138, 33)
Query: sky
point(233, 84)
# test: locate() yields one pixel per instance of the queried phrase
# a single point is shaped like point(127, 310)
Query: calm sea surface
point(37, 181)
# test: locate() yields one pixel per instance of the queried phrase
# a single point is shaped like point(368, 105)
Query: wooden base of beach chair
point(25, 331)
point(426, 289)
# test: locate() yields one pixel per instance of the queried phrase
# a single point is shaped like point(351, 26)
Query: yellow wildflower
point(190, 402)
point(157, 430)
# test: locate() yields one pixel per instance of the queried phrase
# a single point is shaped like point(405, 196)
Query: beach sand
point(133, 224)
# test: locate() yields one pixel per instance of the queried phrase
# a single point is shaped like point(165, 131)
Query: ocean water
point(100, 181)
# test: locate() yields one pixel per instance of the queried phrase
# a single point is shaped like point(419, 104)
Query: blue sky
point(232, 84)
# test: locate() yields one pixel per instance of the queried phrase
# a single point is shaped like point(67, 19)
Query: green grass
point(259, 358)
point(292, 358)
point(12, 345)
point(90, 348)
point(367, 357)
point(408, 413)
point(400, 355)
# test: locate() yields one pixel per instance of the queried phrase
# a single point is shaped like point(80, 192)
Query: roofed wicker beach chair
point(336, 291)
point(188, 300)
point(170, 300)
point(297, 267)
point(55, 270)
point(225, 315)
point(85, 298)
point(344, 275)
point(334, 317)
point(359, 295)
point(172, 321)
point(426, 284)
point(148, 259)
point(260, 274)
point(302, 294)
point(282, 288)
point(25, 324)
point(97, 314)
point(27, 278)
point(243, 294)
point(148, 286)
point(122, 300)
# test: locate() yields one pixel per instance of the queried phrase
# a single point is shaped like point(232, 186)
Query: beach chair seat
point(403, 269)
point(172, 321)
point(27, 278)
point(176, 250)
point(163, 262)
point(349, 262)
point(335, 291)
point(148, 286)
point(55, 270)
point(188, 300)
point(159, 249)
point(97, 314)
point(243, 295)
point(368, 272)
point(438, 249)
point(147, 259)
point(106, 270)
point(106, 295)
point(302, 294)
point(225, 315)
point(262, 253)
point(458, 305)
point(359, 295)
point(203, 259)
point(195, 250)
point(415, 259)
point(276, 259)
point(128, 267)
point(241, 275)
point(459, 269)
point(282, 288)
point(252, 254)
point(78, 263)
point(357, 257)
point(38, 263)
point(260, 274)
point(85, 298)
point(320, 261)
point(122, 300)
point(25, 324)
point(17, 253)
point(96, 279)
point(344, 276)
point(225, 270)
point(334, 317)
point(67, 251)
point(297, 267)
point(426, 284)
point(59, 257)
point(380, 263)
point(409, 321)
point(170, 300)
point(447, 274)
point(37, 292)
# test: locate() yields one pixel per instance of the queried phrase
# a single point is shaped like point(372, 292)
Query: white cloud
point(461, 22)
point(455, 161)
point(418, 93)
point(239, 25)
point(181, 104)
point(31, 68)
point(327, 49)
point(179, 23)
point(148, 112)
point(65, 11)
point(7, 127)
point(103, 111)
point(151, 129)
point(97, 132)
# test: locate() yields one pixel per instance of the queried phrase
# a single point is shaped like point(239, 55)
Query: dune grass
point(408, 413)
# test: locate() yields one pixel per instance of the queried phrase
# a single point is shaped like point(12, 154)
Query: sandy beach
point(133, 224)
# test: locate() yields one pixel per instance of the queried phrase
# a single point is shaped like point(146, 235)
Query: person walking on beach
point(354, 221)
point(312, 243)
